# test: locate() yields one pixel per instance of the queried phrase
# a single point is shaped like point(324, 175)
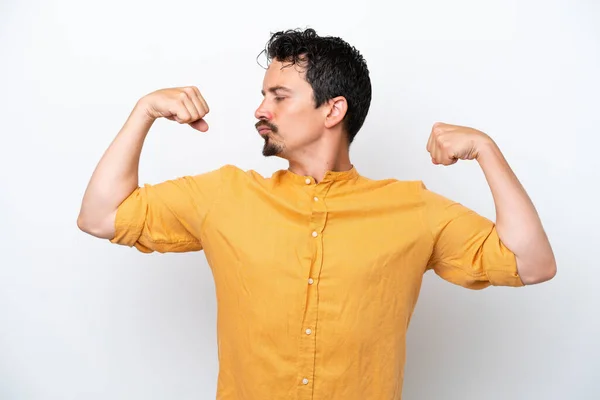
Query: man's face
point(289, 121)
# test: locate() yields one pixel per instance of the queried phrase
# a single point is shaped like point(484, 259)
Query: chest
point(346, 241)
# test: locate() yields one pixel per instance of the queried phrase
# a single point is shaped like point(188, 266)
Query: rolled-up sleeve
point(466, 248)
point(168, 216)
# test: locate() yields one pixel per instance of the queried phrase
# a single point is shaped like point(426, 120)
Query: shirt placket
point(309, 329)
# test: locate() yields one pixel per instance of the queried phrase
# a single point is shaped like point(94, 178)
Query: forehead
point(284, 74)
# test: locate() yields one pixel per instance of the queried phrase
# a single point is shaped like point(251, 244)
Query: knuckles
point(189, 90)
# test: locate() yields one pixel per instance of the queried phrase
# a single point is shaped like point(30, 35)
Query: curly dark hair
point(333, 68)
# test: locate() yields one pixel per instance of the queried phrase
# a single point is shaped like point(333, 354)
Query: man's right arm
point(116, 175)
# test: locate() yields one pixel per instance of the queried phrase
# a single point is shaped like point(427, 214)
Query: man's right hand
point(184, 105)
point(116, 175)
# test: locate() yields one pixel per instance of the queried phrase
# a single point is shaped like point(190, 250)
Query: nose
point(262, 112)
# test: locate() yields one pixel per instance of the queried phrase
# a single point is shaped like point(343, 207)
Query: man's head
point(313, 87)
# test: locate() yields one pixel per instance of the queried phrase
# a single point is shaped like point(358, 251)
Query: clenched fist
point(184, 105)
point(450, 143)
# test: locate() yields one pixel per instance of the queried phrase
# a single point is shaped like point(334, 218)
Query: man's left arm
point(517, 222)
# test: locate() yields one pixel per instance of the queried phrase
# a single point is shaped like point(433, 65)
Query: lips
point(264, 130)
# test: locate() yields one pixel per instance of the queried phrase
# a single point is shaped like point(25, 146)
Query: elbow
point(542, 273)
point(86, 226)
point(102, 229)
point(81, 224)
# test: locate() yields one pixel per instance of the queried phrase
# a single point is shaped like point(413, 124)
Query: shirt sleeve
point(168, 216)
point(467, 250)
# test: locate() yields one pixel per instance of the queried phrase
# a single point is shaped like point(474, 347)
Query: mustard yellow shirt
point(315, 282)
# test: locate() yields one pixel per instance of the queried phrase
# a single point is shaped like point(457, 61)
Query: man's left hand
point(450, 143)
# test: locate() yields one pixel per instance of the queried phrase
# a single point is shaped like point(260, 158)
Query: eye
point(279, 98)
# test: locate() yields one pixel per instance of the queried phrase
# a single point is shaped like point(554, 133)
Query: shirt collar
point(330, 176)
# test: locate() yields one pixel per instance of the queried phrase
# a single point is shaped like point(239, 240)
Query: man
point(317, 269)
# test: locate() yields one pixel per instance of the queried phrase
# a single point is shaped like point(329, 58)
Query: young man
point(317, 269)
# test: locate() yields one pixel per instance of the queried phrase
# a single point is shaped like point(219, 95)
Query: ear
point(336, 111)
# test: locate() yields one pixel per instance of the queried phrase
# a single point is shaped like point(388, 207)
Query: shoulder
point(404, 187)
point(229, 171)
point(237, 176)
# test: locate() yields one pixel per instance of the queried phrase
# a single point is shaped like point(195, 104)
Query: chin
point(272, 149)
point(271, 153)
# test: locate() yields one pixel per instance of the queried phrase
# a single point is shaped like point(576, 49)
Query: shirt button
point(315, 234)
point(305, 381)
point(316, 198)
point(308, 331)
point(310, 281)
point(307, 181)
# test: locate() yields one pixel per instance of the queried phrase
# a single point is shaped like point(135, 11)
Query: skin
point(314, 142)
point(517, 221)
point(311, 139)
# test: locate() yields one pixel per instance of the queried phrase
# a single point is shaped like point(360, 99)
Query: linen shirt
point(316, 283)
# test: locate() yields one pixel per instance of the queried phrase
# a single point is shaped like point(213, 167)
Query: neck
point(318, 161)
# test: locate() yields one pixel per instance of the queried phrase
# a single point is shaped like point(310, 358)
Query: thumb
point(199, 125)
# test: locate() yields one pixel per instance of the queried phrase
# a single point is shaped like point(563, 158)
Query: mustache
point(266, 124)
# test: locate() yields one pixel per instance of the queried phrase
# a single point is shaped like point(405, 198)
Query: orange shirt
point(315, 282)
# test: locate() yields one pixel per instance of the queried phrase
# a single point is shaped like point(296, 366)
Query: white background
point(83, 319)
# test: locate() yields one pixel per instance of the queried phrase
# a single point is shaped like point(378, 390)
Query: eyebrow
point(275, 89)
